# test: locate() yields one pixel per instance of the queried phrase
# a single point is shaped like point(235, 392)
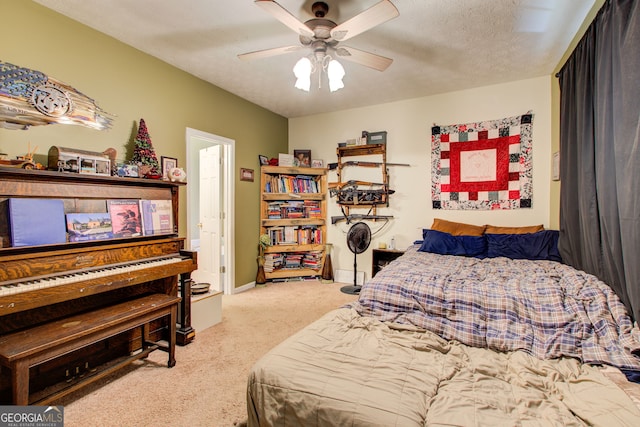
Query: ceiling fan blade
point(283, 15)
point(375, 15)
point(361, 57)
point(259, 54)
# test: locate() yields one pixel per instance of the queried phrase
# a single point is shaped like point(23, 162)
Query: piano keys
point(13, 287)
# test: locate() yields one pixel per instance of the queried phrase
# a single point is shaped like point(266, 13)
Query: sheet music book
point(125, 217)
point(157, 217)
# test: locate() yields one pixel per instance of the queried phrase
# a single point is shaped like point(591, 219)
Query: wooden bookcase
point(293, 212)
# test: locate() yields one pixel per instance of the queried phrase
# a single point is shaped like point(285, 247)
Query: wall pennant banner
point(482, 166)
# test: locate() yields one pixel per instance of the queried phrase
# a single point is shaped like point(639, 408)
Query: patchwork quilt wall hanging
point(483, 166)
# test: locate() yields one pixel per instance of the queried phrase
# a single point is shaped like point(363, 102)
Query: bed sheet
point(346, 369)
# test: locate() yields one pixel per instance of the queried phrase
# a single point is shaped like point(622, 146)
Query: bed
point(443, 336)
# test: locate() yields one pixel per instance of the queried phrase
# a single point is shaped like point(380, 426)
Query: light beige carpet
point(208, 384)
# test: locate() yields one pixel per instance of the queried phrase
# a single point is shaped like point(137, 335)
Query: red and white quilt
point(485, 165)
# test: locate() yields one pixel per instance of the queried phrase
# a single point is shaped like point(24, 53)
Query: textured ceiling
point(437, 46)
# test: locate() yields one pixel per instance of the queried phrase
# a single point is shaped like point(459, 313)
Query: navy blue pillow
point(442, 243)
point(542, 245)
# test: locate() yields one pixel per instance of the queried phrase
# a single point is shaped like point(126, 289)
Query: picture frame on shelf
point(127, 170)
point(302, 158)
point(316, 163)
point(264, 161)
point(168, 163)
point(285, 159)
point(246, 174)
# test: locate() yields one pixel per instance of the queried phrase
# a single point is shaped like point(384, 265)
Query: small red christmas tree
point(144, 155)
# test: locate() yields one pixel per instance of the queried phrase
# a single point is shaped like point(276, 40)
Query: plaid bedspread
point(545, 308)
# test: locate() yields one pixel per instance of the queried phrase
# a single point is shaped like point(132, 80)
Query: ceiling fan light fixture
point(322, 35)
point(335, 72)
point(302, 71)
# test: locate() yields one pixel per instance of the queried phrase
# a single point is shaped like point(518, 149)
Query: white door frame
point(194, 142)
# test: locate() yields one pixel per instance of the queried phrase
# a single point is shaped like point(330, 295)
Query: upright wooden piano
point(40, 285)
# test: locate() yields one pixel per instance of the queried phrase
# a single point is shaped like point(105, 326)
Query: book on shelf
point(157, 217)
point(293, 209)
point(309, 235)
point(125, 217)
point(276, 234)
point(291, 184)
point(292, 260)
point(295, 235)
point(312, 209)
point(83, 227)
point(289, 235)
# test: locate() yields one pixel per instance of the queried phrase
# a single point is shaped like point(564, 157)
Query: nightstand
point(382, 257)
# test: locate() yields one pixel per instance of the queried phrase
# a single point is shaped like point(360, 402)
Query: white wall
point(408, 124)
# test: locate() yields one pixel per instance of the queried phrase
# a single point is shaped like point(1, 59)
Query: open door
point(211, 249)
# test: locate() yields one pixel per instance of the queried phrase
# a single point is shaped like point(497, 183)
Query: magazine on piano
point(89, 226)
point(157, 217)
point(125, 217)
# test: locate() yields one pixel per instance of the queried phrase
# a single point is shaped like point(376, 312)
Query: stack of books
point(293, 260)
point(312, 209)
point(312, 260)
point(272, 261)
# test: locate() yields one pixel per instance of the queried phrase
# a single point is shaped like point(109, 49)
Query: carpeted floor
point(208, 384)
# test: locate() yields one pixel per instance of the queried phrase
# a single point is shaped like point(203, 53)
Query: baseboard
point(243, 288)
point(346, 276)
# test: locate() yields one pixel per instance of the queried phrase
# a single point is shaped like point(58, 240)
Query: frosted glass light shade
point(302, 71)
point(335, 72)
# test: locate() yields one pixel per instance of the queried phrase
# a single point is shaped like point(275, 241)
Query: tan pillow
point(492, 229)
point(457, 228)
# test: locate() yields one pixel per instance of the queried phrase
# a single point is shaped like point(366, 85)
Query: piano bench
point(21, 350)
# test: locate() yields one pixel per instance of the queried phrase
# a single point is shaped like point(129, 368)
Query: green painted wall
point(132, 85)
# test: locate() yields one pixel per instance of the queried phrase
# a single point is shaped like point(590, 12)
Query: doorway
point(210, 208)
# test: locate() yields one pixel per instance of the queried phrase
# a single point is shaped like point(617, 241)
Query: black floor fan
point(358, 239)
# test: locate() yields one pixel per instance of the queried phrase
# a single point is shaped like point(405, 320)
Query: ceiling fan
point(323, 35)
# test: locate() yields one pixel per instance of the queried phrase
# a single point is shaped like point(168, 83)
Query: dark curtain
point(600, 152)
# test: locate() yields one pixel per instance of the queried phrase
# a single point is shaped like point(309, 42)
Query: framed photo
point(127, 170)
point(317, 163)
point(285, 159)
point(264, 161)
point(246, 174)
point(168, 163)
point(302, 158)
